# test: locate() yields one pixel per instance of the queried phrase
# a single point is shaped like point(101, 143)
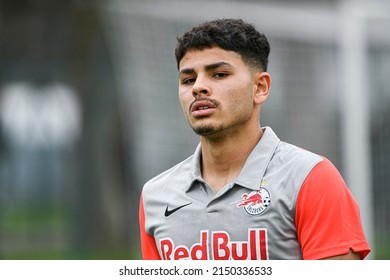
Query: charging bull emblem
point(255, 202)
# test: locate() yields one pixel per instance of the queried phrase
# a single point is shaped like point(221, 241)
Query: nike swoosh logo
point(170, 212)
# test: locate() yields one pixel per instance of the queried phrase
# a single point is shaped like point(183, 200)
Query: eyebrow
point(207, 67)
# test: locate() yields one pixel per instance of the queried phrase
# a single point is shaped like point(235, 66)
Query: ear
point(262, 87)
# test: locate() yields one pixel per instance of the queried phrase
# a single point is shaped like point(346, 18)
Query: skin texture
point(221, 97)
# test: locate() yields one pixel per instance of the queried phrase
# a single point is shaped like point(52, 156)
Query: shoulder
point(290, 153)
point(178, 175)
point(325, 186)
point(294, 161)
point(325, 177)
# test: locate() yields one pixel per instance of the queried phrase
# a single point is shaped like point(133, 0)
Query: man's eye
point(220, 75)
point(188, 81)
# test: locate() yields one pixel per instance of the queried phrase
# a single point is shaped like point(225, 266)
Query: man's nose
point(200, 88)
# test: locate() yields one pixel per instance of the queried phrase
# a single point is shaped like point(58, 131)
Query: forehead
point(198, 59)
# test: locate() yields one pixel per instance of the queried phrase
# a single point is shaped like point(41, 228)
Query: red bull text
point(222, 248)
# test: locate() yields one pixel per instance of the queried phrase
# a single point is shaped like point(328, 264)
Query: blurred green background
point(89, 110)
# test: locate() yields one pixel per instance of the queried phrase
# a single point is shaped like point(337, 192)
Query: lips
point(202, 108)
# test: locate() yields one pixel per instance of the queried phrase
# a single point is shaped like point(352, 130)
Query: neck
point(223, 158)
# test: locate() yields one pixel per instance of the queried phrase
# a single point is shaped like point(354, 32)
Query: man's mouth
point(202, 108)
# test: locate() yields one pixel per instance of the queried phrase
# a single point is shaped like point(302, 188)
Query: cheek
point(242, 97)
point(184, 102)
point(241, 106)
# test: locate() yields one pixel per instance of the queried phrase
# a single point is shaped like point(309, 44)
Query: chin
point(207, 130)
point(203, 131)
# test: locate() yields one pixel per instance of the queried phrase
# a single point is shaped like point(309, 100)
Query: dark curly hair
point(228, 34)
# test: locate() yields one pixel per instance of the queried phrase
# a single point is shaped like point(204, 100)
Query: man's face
point(216, 91)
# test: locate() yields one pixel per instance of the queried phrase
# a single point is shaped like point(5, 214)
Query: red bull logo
point(255, 202)
point(248, 199)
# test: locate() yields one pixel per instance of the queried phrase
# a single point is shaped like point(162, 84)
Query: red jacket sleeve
point(148, 244)
point(327, 216)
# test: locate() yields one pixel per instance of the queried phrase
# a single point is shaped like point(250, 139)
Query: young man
point(244, 194)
